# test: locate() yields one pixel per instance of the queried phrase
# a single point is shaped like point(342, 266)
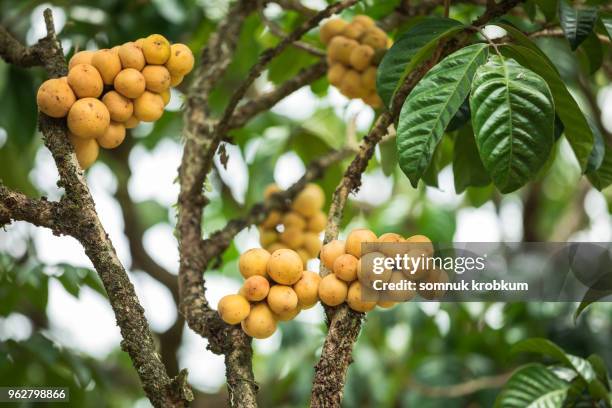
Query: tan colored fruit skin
point(88, 118)
point(55, 97)
point(86, 150)
point(108, 64)
point(157, 78)
point(351, 85)
point(293, 219)
point(81, 57)
point(282, 299)
point(256, 288)
point(181, 60)
point(288, 315)
point(340, 49)
point(309, 201)
point(293, 237)
point(365, 272)
point(368, 79)
point(113, 137)
point(267, 237)
point(254, 262)
point(331, 251)
point(165, 96)
point(331, 28)
point(375, 38)
point(148, 107)
point(312, 244)
point(85, 81)
point(332, 291)
point(317, 222)
point(398, 295)
point(175, 80)
point(356, 238)
point(131, 123)
point(307, 289)
point(233, 309)
point(345, 267)
point(272, 220)
point(156, 49)
point(364, 20)
point(130, 83)
point(119, 107)
point(260, 323)
point(385, 304)
point(285, 266)
point(361, 57)
point(275, 247)
point(335, 74)
point(131, 56)
point(354, 299)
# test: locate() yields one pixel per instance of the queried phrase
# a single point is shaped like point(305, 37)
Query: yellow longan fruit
point(368, 78)
point(181, 60)
point(233, 309)
point(361, 57)
point(345, 267)
point(385, 304)
point(86, 150)
point(260, 323)
point(253, 262)
point(119, 107)
point(390, 237)
point(130, 83)
point(139, 43)
point(55, 97)
point(292, 237)
point(312, 244)
point(331, 28)
point(285, 266)
point(113, 137)
point(356, 238)
point(289, 315)
point(175, 80)
point(331, 251)
point(255, 288)
point(88, 118)
point(132, 122)
point(433, 276)
point(354, 31)
point(391, 250)
point(165, 96)
point(335, 74)
point(375, 38)
point(85, 81)
point(422, 244)
point(131, 56)
point(276, 246)
point(267, 237)
point(282, 299)
point(317, 222)
point(397, 295)
point(355, 300)
point(307, 289)
point(157, 78)
point(365, 270)
point(81, 57)
point(303, 255)
point(340, 49)
point(108, 64)
point(351, 85)
point(149, 107)
point(373, 100)
point(332, 291)
point(309, 201)
point(272, 220)
point(364, 20)
point(156, 49)
point(270, 190)
point(294, 220)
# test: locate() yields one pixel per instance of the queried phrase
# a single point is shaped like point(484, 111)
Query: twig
point(279, 32)
point(558, 33)
point(459, 390)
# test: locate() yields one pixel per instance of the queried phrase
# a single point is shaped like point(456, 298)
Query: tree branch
point(462, 389)
point(15, 206)
point(278, 31)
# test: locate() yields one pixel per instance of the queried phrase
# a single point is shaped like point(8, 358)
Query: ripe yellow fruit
point(368, 78)
point(345, 267)
point(149, 107)
point(175, 80)
point(282, 299)
point(331, 251)
point(421, 244)
point(331, 28)
point(288, 315)
point(271, 189)
point(157, 78)
point(275, 246)
point(267, 237)
point(375, 38)
point(340, 49)
point(391, 237)
point(131, 56)
point(355, 300)
point(335, 74)
point(119, 107)
point(373, 100)
point(294, 220)
point(433, 276)
point(233, 309)
point(253, 262)
point(272, 220)
point(385, 304)
point(131, 123)
point(312, 244)
point(139, 42)
point(309, 201)
point(292, 237)
point(365, 270)
point(85, 81)
point(113, 137)
point(391, 250)
point(88, 118)
point(332, 291)
point(55, 97)
point(86, 150)
point(255, 288)
point(285, 266)
point(81, 57)
point(307, 289)
point(398, 295)
point(303, 256)
point(317, 222)
point(156, 49)
point(181, 60)
point(260, 323)
point(361, 57)
point(108, 64)
point(363, 20)
point(356, 238)
point(130, 83)
point(351, 85)
point(354, 31)
point(165, 96)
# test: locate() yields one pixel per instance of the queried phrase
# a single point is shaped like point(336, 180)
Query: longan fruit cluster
point(111, 90)
point(276, 288)
point(354, 50)
point(349, 279)
point(299, 227)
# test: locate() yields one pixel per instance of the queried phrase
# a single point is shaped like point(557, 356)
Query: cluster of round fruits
point(353, 52)
point(111, 90)
point(299, 227)
point(276, 288)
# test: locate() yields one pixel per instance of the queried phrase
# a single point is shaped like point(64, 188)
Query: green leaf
point(468, 169)
point(408, 50)
point(602, 177)
point(549, 8)
point(591, 53)
point(462, 117)
point(533, 386)
point(577, 23)
point(431, 105)
point(513, 118)
point(577, 129)
point(606, 19)
point(599, 150)
point(388, 156)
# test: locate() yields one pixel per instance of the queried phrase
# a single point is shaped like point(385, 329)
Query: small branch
point(447, 4)
point(279, 32)
point(15, 206)
point(462, 389)
point(297, 6)
point(558, 33)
